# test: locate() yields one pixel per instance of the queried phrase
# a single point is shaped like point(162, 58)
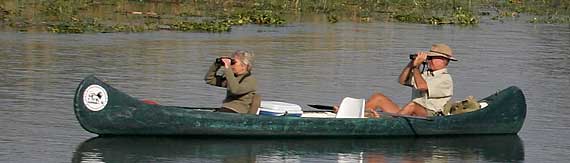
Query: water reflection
point(499, 148)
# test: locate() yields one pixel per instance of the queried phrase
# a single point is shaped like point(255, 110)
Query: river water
point(305, 63)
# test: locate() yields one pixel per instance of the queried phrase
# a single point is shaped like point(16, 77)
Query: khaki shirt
point(440, 90)
point(240, 89)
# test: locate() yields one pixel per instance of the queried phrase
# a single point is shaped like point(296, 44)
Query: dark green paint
point(125, 115)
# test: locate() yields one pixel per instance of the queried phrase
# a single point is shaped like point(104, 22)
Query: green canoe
point(104, 110)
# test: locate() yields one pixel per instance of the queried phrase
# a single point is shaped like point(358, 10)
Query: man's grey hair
point(246, 57)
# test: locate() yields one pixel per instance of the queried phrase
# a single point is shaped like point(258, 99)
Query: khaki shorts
point(431, 113)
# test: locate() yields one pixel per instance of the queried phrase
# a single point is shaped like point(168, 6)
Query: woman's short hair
point(246, 57)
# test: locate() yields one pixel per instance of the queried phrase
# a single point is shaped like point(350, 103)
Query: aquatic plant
point(254, 17)
point(544, 11)
point(209, 26)
point(266, 19)
point(550, 19)
point(75, 25)
point(128, 28)
point(3, 14)
point(463, 16)
point(409, 18)
point(459, 16)
point(78, 16)
point(332, 18)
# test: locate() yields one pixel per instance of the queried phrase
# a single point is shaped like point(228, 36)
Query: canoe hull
point(125, 115)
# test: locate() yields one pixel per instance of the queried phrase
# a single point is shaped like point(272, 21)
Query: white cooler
point(276, 108)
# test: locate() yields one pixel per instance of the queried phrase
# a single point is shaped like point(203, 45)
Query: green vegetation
point(93, 25)
point(80, 16)
point(75, 25)
point(551, 20)
point(4, 14)
point(540, 11)
point(212, 26)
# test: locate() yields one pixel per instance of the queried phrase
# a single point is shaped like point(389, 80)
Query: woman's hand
point(422, 56)
point(227, 62)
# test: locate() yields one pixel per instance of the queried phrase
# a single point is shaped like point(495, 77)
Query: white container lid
point(280, 107)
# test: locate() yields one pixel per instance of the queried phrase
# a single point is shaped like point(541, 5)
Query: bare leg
point(414, 109)
point(379, 101)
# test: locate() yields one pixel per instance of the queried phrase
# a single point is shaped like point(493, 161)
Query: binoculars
point(413, 56)
point(219, 60)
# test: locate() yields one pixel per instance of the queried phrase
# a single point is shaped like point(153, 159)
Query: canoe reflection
point(500, 148)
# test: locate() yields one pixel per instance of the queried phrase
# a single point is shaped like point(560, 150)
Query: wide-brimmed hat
point(442, 50)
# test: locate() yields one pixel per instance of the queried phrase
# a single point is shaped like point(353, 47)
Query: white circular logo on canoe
point(95, 97)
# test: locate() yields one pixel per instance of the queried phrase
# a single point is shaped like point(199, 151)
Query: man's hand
point(373, 113)
point(422, 56)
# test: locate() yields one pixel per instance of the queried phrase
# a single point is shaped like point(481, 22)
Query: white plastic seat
point(351, 108)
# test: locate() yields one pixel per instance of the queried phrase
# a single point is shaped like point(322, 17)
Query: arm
point(420, 82)
point(211, 77)
point(234, 87)
point(405, 75)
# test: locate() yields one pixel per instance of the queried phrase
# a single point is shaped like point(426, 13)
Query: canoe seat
point(351, 108)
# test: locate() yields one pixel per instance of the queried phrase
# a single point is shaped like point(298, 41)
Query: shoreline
point(83, 16)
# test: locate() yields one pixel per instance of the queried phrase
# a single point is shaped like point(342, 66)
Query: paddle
point(330, 108)
point(152, 102)
point(323, 107)
point(407, 116)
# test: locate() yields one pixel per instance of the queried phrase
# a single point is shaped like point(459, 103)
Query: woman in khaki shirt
point(237, 78)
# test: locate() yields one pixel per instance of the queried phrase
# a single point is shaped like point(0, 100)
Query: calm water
point(301, 63)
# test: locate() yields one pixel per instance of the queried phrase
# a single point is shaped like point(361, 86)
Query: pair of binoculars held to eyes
point(219, 60)
point(413, 57)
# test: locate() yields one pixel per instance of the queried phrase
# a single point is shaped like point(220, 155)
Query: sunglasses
point(435, 57)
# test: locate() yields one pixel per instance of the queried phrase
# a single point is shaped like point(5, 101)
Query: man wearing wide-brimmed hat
point(430, 89)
